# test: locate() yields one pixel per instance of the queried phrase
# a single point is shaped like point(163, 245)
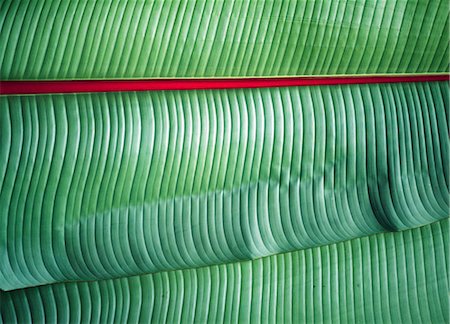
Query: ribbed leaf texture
point(384, 278)
point(97, 186)
point(216, 38)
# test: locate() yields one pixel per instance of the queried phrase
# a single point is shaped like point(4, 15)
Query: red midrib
point(74, 86)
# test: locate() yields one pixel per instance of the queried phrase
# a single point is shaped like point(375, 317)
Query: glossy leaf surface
point(81, 39)
point(385, 278)
point(99, 186)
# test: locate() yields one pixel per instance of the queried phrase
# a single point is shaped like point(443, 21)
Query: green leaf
point(97, 186)
point(215, 38)
point(385, 278)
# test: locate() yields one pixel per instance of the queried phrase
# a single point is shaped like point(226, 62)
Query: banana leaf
point(385, 278)
point(85, 39)
point(313, 204)
point(105, 185)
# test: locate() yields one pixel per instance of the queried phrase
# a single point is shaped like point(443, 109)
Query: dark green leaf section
point(97, 186)
point(215, 38)
point(385, 278)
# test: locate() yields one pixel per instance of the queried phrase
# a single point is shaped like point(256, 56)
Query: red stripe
point(41, 87)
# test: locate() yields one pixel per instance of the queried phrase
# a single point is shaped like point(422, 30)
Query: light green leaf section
point(98, 186)
point(385, 278)
point(44, 39)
